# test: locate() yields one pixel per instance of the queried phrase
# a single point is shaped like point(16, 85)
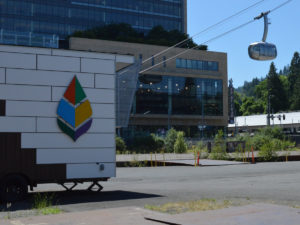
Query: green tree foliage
point(251, 106)
point(295, 104)
point(124, 32)
point(283, 87)
point(261, 91)
point(237, 103)
point(120, 144)
point(170, 140)
point(146, 143)
point(285, 71)
point(268, 150)
point(219, 149)
point(278, 97)
point(180, 146)
point(248, 88)
point(294, 73)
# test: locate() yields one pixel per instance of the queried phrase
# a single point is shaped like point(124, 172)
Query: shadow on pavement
point(76, 197)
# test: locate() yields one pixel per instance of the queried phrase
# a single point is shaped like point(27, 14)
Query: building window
point(197, 64)
point(179, 95)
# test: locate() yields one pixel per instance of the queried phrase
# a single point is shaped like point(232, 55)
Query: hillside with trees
point(283, 88)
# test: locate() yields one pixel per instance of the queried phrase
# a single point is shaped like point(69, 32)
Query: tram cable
point(206, 29)
point(214, 38)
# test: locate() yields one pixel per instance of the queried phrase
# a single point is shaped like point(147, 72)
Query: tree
point(237, 104)
point(124, 32)
point(170, 140)
point(294, 73)
point(180, 145)
point(294, 82)
point(276, 91)
point(249, 87)
point(251, 106)
point(261, 90)
point(295, 103)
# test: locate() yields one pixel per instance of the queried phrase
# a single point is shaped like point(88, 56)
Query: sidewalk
point(189, 159)
point(255, 214)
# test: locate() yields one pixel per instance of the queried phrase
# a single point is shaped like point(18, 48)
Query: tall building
point(188, 93)
point(34, 22)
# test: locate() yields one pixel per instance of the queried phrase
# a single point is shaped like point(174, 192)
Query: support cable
point(214, 38)
point(205, 30)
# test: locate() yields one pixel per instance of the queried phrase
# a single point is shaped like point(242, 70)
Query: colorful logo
point(74, 111)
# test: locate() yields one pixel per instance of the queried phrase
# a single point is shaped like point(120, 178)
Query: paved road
point(254, 214)
point(264, 182)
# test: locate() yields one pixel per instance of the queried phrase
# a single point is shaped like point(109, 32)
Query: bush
point(180, 146)
point(159, 142)
point(219, 149)
point(218, 152)
point(170, 140)
point(120, 144)
point(202, 149)
point(268, 150)
point(146, 143)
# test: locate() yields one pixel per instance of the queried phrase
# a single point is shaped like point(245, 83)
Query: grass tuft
point(43, 203)
point(191, 206)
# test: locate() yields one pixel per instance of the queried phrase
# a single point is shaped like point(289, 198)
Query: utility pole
point(269, 111)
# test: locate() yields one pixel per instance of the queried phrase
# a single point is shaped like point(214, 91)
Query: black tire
point(13, 188)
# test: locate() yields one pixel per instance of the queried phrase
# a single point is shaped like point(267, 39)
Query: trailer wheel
point(13, 188)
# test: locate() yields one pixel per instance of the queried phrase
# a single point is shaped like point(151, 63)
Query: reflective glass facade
point(197, 64)
point(174, 95)
point(63, 17)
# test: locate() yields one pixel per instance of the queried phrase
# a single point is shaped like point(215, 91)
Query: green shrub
point(43, 203)
point(201, 147)
point(120, 145)
point(170, 140)
point(180, 146)
point(218, 152)
point(268, 150)
point(273, 132)
point(145, 143)
point(159, 142)
point(219, 149)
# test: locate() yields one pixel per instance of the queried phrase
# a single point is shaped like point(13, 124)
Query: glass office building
point(178, 96)
point(188, 93)
point(63, 17)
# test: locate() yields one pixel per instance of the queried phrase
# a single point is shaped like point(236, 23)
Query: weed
point(43, 204)
point(191, 206)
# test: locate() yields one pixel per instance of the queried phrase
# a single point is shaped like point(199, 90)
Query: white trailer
point(57, 117)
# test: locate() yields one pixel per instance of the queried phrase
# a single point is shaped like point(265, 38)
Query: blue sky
point(284, 31)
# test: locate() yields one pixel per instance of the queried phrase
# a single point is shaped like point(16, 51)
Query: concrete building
point(188, 93)
point(42, 23)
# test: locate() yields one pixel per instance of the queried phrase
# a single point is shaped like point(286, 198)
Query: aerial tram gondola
point(263, 50)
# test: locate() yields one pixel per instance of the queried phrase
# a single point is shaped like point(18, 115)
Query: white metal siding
point(50, 156)
point(90, 170)
point(48, 78)
point(33, 80)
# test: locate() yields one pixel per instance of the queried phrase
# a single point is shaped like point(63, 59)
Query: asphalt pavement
point(254, 214)
point(276, 183)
